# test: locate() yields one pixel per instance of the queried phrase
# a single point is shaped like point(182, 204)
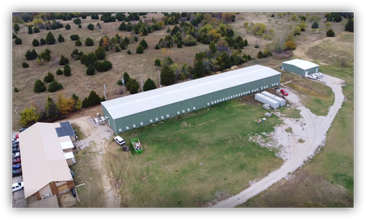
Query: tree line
point(52, 110)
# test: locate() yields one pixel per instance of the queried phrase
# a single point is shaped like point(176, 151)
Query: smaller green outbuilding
point(300, 67)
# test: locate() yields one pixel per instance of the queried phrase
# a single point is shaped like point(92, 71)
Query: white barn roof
point(132, 104)
point(303, 64)
point(43, 160)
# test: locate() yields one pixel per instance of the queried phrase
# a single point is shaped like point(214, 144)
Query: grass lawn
point(314, 95)
point(328, 179)
point(168, 172)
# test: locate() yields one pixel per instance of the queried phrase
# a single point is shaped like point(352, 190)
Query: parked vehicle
point(72, 173)
point(16, 160)
point(17, 154)
point(16, 166)
point(15, 149)
point(15, 141)
point(22, 129)
point(17, 172)
point(17, 186)
point(310, 76)
point(119, 140)
point(284, 92)
point(314, 76)
point(15, 144)
point(317, 75)
point(320, 74)
point(73, 191)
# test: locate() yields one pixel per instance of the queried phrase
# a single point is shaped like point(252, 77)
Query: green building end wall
point(299, 71)
point(187, 105)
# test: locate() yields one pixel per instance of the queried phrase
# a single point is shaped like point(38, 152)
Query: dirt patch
point(97, 137)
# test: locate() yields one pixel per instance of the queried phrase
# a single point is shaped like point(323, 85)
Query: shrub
point(128, 51)
point(30, 30)
point(92, 99)
point(337, 18)
point(133, 86)
point(100, 53)
point(16, 27)
point(83, 16)
point(50, 39)
point(103, 66)
point(36, 30)
point(61, 38)
point(31, 55)
point(42, 41)
point(67, 70)
point(149, 85)
point(35, 43)
point(126, 77)
point(167, 76)
point(157, 62)
point(199, 70)
point(144, 44)
point(119, 82)
point(256, 46)
point(25, 65)
point(315, 25)
point(140, 49)
point(59, 72)
point(117, 49)
point(90, 27)
point(89, 59)
point(90, 70)
point(179, 45)
point(39, 86)
point(74, 37)
point(135, 39)
point(89, 42)
point(224, 60)
point(18, 41)
point(77, 21)
point(14, 36)
point(122, 26)
point(78, 43)
point(349, 25)
point(189, 40)
point(28, 116)
point(67, 27)
point(94, 16)
point(16, 89)
point(54, 86)
point(123, 45)
point(330, 33)
point(48, 78)
point(76, 54)
point(45, 55)
point(157, 47)
point(63, 60)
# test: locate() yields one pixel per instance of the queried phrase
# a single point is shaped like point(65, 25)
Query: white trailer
point(278, 99)
point(266, 100)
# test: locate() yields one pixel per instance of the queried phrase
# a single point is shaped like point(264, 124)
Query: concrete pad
point(50, 202)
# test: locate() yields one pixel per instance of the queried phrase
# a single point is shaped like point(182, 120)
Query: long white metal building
point(145, 108)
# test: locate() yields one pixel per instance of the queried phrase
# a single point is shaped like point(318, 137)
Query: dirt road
point(99, 134)
point(310, 128)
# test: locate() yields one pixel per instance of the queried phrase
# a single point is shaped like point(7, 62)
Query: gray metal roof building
point(145, 108)
point(300, 67)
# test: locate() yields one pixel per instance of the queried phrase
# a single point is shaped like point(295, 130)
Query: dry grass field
point(137, 65)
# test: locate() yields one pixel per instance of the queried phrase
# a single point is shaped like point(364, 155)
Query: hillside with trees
point(85, 51)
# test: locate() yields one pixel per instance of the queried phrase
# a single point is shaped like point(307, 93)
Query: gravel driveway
point(310, 128)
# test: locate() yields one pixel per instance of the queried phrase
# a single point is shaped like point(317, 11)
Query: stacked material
point(278, 99)
point(266, 100)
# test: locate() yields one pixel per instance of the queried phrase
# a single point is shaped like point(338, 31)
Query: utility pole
point(105, 96)
point(123, 87)
point(159, 79)
point(142, 85)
